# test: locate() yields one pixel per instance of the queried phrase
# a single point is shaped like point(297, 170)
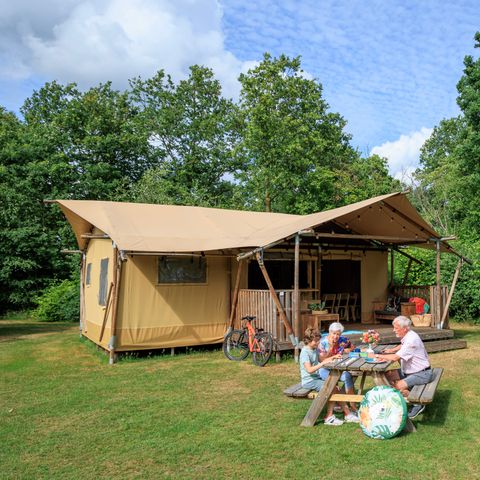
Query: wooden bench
point(422, 394)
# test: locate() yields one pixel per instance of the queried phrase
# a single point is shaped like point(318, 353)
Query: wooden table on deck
point(315, 320)
point(359, 366)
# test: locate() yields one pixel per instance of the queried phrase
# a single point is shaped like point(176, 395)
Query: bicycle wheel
point(262, 349)
point(235, 345)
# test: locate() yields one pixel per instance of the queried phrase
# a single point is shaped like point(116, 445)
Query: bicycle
point(239, 343)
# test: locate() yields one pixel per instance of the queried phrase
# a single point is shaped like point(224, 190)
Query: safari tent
point(157, 276)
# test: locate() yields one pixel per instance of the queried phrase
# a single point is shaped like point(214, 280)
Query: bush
point(59, 303)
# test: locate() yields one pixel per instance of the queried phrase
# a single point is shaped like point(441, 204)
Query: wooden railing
point(259, 303)
point(428, 293)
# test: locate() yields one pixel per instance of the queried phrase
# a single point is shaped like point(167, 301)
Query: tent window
point(88, 275)
point(102, 291)
point(182, 270)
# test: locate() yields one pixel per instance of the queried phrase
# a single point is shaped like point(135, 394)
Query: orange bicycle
point(238, 343)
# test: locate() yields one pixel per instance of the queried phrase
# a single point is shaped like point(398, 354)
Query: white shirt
point(412, 353)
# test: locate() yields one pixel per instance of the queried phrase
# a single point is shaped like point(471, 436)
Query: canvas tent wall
point(150, 315)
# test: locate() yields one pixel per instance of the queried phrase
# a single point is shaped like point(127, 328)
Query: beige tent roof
point(136, 227)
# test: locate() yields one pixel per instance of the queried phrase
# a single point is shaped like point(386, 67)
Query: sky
point(389, 67)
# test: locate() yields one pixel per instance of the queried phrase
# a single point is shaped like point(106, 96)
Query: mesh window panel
point(102, 291)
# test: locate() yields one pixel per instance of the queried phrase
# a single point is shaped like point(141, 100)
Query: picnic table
point(358, 367)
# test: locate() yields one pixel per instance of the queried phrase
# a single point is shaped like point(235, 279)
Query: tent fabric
point(148, 228)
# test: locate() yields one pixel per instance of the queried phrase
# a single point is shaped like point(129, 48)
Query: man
point(414, 363)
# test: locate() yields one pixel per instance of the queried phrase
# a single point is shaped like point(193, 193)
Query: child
point(309, 367)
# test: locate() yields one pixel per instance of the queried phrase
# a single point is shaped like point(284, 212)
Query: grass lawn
point(65, 413)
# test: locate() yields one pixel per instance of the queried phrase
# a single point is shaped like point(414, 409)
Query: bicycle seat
point(249, 318)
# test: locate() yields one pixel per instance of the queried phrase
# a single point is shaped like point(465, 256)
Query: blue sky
point(389, 67)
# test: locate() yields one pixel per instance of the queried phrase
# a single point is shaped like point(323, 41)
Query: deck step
point(444, 345)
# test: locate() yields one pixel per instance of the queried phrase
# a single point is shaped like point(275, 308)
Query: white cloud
point(94, 41)
point(403, 154)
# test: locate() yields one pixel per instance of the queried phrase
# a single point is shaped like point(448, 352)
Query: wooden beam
point(438, 296)
point(413, 259)
point(107, 309)
point(344, 397)
point(275, 299)
point(407, 271)
point(82, 292)
point(69, 252)
point(296, 294)
point(450, 294)
point(321, 400)
point(382, 238)
point(116, 294)
point(235, 293)
point(392, 267)
point(91, 236)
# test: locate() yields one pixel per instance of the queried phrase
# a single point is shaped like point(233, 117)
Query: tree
point(69, 145)
point(191, 131)
point(290, 142)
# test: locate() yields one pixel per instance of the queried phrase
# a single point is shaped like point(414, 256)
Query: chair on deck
point(329, 299)
point(353, 307)
point(342, 306)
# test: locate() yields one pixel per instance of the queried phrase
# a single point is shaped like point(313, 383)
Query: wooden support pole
point(107, 309)
point(117, 274)
point(275, 299)
point(319, 272)
point(438, 300)
point(450, 294)
point(407, 271)
point(296, 294)
point(235, 294)
point(83, 268)
point(392, 267)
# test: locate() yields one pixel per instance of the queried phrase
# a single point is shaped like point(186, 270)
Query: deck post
point(296, 294)
point(233, 310)
point(450, 294)
point(275, 299)
point(438, 300)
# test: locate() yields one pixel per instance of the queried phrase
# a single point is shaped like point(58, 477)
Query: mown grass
point(65, 413)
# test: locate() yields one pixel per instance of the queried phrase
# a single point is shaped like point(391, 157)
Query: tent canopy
point(147, 228)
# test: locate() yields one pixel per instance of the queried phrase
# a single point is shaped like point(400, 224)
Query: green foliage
point(191, 131)
point(59, 303)
point(296, 156)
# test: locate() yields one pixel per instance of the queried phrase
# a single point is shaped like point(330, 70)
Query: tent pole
point(82, 292)
point(116, 290)
point(107, 310)
point(280, 309)
point(233, 310)
point(407, 271)
point(438, 302)
point(450, 294)
point(296, 294)
point(392, 267)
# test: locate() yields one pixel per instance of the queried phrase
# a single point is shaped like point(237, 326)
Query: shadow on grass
point(15, 329)
point(436, 412)
point(166, 352)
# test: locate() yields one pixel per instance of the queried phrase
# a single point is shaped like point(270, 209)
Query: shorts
point(419, 378)
point(313, 384)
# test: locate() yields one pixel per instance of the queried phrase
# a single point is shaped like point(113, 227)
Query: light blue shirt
point(308, 355)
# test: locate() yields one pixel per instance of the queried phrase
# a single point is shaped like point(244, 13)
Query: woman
point(333, 345)
point(309, 368)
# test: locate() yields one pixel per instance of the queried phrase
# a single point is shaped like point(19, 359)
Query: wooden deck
point(435, 340)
